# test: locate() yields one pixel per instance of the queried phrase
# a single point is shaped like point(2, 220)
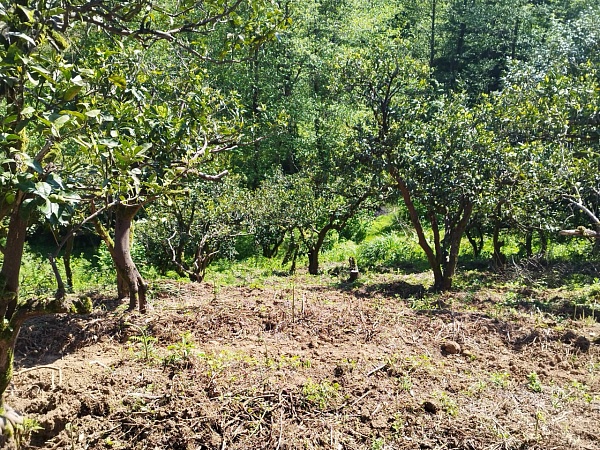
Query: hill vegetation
point(446, 150)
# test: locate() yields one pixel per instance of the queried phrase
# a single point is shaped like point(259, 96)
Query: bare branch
point(578, 203)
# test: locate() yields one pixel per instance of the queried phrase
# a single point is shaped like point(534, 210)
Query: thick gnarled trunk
point(126, 268)
point(130, 283)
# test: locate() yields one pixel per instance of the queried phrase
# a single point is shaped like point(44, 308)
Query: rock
point(451, 348)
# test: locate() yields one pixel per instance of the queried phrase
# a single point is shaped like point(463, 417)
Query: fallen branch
point(57, 369)
point(580, 232)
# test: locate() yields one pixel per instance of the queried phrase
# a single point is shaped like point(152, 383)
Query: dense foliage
point(263, 127)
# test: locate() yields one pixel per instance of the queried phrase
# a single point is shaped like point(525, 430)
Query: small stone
point(451, 348)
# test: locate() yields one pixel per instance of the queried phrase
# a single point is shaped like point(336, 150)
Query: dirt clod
point(430, 407)
point(582, 343)
point(451, 348)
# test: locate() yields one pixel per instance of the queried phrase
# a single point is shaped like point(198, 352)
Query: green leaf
point(71, 93)
point(55, 181)
point(60, 120)
point(9, 137)
point(26, 185)
point(93, 113)
point(76, 114)
point(118, 80)
point(46, 208)
point(33, 164)
point(27, 12)
point(43, 189)
point(21, 36)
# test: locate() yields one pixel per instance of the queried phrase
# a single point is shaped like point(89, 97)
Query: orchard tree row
point(282, 121)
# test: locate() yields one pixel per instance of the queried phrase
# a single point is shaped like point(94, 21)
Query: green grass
point(389, 246)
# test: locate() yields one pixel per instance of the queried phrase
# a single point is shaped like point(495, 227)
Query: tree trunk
point(126, 268)
point(529, 243)
point(67, 260)
point(416, 221)
point(9, 291)
point(11, 265)
point(122, 287)
point(432, 34)
point(498, 258)
point(313, 261)
point(596, 248)
point(313, 253)
point(456, 232)
point(475, 241)
point(543, 243)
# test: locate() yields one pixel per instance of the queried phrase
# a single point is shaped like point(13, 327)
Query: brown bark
point(313, 253)
point(414, 218)
point(129, 281)
point(442, 265)
point(126, 268)
point(475, 237)
point(581, 232)
point(9, 291)
point(456, 232)
point(67, 260)
point(11, 265)
point(122, 285)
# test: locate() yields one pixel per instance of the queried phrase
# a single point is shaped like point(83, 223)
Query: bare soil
point(307, 366)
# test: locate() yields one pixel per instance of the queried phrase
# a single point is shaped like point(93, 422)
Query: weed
point(398, 424)
point(418, 362)
point(406, 383)
point(582, 391)
point(145, 342)
point(478, 387)
point(421, 304)
point(181, 352)
point(540, 419)
point(284, 361)
point(24, 430)
point(378, 444)
point(533, 382)
point(447, 403)
point(321, 394)
point(500, 379)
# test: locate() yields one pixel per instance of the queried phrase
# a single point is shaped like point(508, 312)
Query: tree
point(435, 148)
point(56, 101)
point(189, 231)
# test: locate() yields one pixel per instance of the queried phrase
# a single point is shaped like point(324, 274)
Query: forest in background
point(177, 134)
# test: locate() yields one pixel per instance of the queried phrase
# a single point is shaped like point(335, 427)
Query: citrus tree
point(78, 131)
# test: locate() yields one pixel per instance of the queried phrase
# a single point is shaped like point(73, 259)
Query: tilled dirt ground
point(301, 366)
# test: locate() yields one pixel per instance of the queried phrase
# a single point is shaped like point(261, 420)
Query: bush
point(387, 251)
